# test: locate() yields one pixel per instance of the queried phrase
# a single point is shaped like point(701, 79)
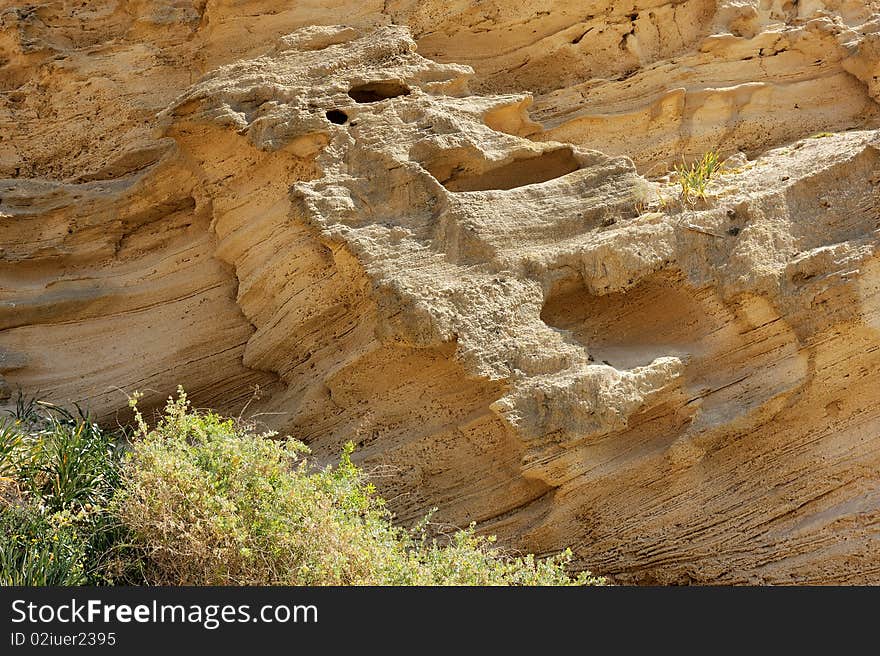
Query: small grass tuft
point(694, 179)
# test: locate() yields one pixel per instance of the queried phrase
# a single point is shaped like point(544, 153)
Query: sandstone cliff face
point(441, 230)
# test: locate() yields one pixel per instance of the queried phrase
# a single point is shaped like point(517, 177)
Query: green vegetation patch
point(198, 499)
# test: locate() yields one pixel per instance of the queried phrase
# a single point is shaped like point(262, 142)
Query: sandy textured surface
point(442, 230)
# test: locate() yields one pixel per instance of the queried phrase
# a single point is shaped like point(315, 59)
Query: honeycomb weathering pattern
point(473, 282)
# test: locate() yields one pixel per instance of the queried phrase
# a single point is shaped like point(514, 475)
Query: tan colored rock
point(476, 284)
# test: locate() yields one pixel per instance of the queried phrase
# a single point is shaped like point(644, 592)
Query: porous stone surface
point(446, 231)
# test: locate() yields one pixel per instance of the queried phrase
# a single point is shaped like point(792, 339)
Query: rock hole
point(458, 175)
point(337, 117)
point(662, 315)
point(371, 92)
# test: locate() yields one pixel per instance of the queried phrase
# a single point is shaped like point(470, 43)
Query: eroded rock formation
point(441, 230)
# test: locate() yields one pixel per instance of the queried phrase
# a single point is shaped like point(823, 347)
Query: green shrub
point(58, 472)
point(68, 461)
point(34, 550)
point(211, 502)
point(206, 500)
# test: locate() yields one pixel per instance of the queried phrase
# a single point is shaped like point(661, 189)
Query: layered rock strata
point(496, 294)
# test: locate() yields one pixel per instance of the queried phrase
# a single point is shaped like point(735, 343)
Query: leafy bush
point(211, 502)
point(694, 179)
point(206, 500)
point(66, 460)
point(34, 550)
point(58, 472)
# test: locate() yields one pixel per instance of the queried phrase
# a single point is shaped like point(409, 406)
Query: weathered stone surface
point(465, 270)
